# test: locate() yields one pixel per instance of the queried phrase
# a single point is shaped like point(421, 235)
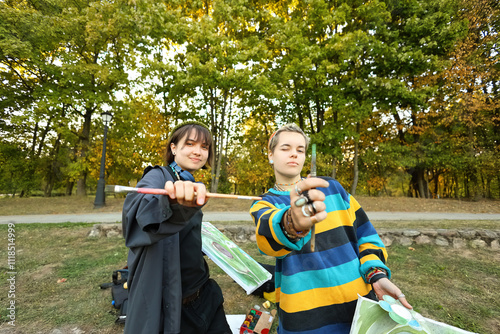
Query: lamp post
point(100, 198)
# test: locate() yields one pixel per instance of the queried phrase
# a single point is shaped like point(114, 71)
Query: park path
point(113, 217)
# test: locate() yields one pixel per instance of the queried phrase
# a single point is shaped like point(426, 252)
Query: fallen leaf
point(61, 280)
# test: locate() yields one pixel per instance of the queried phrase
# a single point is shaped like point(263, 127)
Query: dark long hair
point(201, 134)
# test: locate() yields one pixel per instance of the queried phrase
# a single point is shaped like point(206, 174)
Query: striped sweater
point(316, 292)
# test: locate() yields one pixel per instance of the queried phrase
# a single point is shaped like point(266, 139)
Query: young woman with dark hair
point(170, 290)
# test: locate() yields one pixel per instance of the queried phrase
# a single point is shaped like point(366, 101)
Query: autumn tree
point(382, 87)
point(467, 109)
point(249, 166)
point(60, 76)
point(417, 43)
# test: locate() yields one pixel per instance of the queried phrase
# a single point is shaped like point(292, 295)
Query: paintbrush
point(313, 174)
point(156, 191)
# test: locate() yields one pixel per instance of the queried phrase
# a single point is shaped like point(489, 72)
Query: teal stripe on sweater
point(281, 205)
point(372, 239)
point(281, 236)
point(323, 278)
point(335, 202)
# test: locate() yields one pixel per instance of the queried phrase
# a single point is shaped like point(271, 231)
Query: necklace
point(175, 172)
point(279, 186)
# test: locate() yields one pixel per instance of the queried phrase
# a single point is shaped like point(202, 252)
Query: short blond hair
point(290, 127)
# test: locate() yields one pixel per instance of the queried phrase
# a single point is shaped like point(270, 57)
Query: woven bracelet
point(284, 222)
point(374, 274)
point(291, 228)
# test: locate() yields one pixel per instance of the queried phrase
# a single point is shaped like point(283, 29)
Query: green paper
point(245, 271)
point(371, 318)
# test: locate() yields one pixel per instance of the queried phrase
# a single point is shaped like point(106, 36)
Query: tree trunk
point(466, 186)
point(334, 168)
point(436, 184)
point(52, 170)
point(215, 177)
point(219, 148)
point(402, 187)
point(69, 188)
point(488, 187)
point(418, 182)
point(81, 185)
point(34, 140)
point(421, 183)
point(47, 192)
point(483, 184)
point(498, 185)
point(355, 167)
point(46, 130)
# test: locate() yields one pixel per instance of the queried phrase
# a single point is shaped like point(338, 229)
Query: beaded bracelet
point(284, 225)
point(289, 236)
point(289, 229)
point(374, 274)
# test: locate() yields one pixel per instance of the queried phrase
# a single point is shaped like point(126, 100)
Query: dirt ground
point(73, 204)
point(406, 204)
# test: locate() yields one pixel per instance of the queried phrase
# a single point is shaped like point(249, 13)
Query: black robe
point(151, 227)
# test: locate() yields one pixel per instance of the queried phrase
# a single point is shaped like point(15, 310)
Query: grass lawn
point(458, 287)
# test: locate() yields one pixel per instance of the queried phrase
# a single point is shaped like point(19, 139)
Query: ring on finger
point(304, 211)
point(309, 210)
point(401, 295)
point(298, 191)
point(312, 208)
point(301, 201)
point(305, 193)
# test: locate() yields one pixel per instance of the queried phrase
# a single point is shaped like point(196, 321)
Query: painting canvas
point(373, 318)
point(240, 266)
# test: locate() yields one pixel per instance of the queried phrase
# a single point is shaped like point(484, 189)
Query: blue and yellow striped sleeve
point(372, 252)
point(270, 237)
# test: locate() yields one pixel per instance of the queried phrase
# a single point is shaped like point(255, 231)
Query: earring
point(271, 162)
point(173, 153)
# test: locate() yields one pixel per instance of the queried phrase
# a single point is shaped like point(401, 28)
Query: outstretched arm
point(186, 193)
point(385, 287)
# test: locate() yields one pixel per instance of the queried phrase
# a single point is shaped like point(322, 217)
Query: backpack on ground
point(119, 293)
point(267, 290)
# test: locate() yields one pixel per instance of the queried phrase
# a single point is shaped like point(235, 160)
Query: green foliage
point(248, 165)
point(381, 87)
point(62, 74)
point(16, 174)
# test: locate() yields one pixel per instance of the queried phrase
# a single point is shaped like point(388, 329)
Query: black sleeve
point(147, 218)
